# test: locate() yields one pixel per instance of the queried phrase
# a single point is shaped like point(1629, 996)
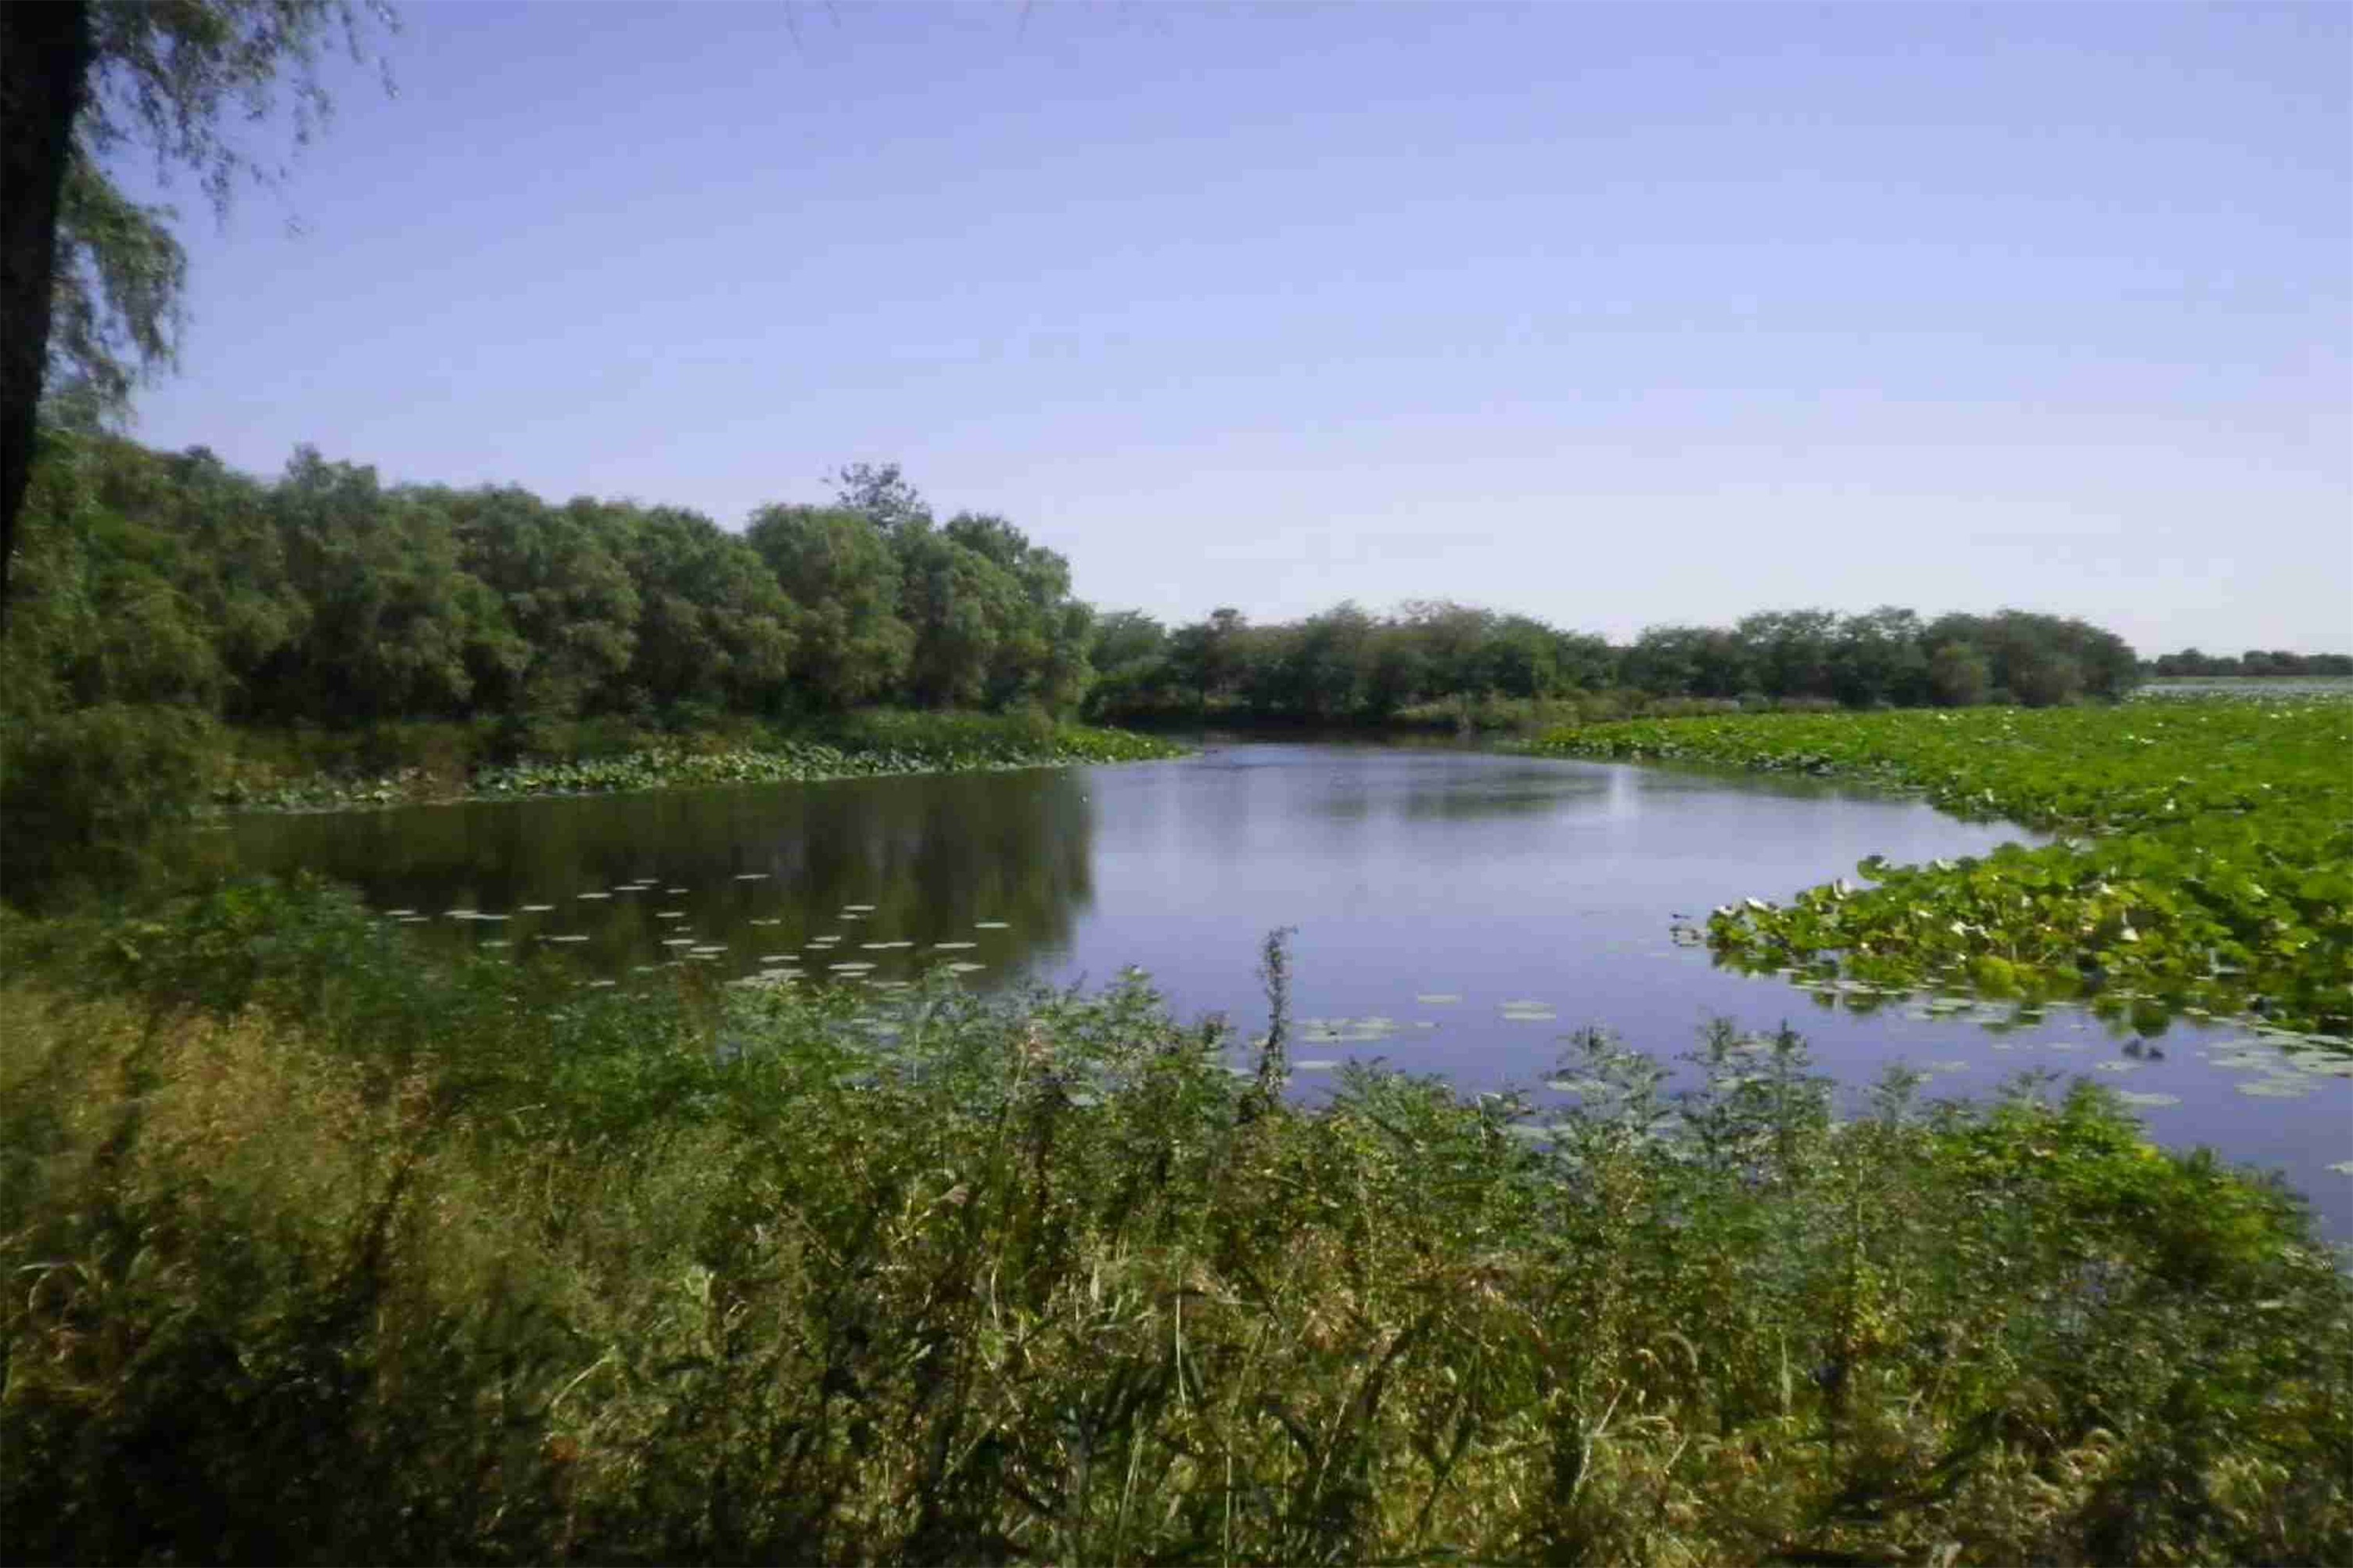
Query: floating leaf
point(2150, 1099)
point(1439, 998)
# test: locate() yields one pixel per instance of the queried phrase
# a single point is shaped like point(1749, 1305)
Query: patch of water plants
point(917, 744)
point(2205, 858)
point(321, 1249)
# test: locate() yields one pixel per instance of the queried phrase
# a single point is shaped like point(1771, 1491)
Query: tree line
point(328, 596)
point(1349, 665)
point(2191, 662)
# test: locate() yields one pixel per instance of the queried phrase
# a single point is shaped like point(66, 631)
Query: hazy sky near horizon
point(1615, 317)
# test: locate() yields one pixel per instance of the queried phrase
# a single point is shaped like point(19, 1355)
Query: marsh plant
point(318, 1253)
point(2203, 856)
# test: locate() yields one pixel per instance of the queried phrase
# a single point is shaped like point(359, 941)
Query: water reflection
point(625, 882)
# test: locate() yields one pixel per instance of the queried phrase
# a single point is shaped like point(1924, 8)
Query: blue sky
point(1615, 317)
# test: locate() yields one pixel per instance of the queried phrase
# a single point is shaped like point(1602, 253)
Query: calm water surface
point(1457, 911)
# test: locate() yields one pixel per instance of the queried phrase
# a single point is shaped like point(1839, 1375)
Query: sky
point(1616, 317)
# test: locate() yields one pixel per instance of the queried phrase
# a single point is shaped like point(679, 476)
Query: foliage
point(2207, 858)
point(1346, 665)
point(331, 598)
point(2255, 662)
point(174, 80)
point(319, 1252)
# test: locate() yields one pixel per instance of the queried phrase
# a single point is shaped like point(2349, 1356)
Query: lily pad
point(2273, 1089)
point(2151, 1099)
point(1439, 998)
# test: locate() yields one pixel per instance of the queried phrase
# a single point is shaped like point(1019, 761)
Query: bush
point(88, 795)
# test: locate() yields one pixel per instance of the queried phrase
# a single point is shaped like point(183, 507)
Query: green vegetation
point(861, 745)
point(181, 634)
point(319, 1252)
point(2256, 663)
point(2207, 860)
point(1449, 663)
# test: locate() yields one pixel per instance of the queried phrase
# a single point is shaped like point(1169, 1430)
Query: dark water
point(1457, 911)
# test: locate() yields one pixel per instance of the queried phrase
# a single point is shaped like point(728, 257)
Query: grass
point(318, 1252)
point(2206, 856)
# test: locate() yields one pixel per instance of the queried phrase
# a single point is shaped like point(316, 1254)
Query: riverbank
point(419, 764)
point(327, 1249)
point(2207, 864)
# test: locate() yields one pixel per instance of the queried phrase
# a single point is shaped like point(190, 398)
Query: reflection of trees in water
point(933, 855)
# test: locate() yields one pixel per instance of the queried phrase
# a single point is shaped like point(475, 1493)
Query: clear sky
point(1611, 316)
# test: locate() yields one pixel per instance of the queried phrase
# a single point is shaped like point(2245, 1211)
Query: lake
point(1457, 911)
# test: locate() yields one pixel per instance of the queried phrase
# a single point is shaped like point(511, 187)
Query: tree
point(882, 495)
point(836, 564)
point(89, 280)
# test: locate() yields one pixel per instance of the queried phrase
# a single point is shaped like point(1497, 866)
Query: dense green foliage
point(1447, 662)
point(2207, 862)
point(331, 598)
point(320, 1253)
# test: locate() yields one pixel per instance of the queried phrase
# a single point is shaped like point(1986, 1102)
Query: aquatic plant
point(866, 746)
point(2205, 856)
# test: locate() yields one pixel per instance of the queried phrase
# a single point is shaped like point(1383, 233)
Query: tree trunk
point(45, 57)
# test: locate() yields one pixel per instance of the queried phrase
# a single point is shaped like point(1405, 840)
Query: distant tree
point(1959, 676)
point(90, 280)
point(1205, 656)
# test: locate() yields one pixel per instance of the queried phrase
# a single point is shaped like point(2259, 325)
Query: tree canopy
point(91, 279)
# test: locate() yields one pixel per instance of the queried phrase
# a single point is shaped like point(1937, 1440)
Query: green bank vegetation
point(396, 764)
point(319, 1251)
point(2205, 856)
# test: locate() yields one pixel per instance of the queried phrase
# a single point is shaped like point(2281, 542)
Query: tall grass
point(317, 1255)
